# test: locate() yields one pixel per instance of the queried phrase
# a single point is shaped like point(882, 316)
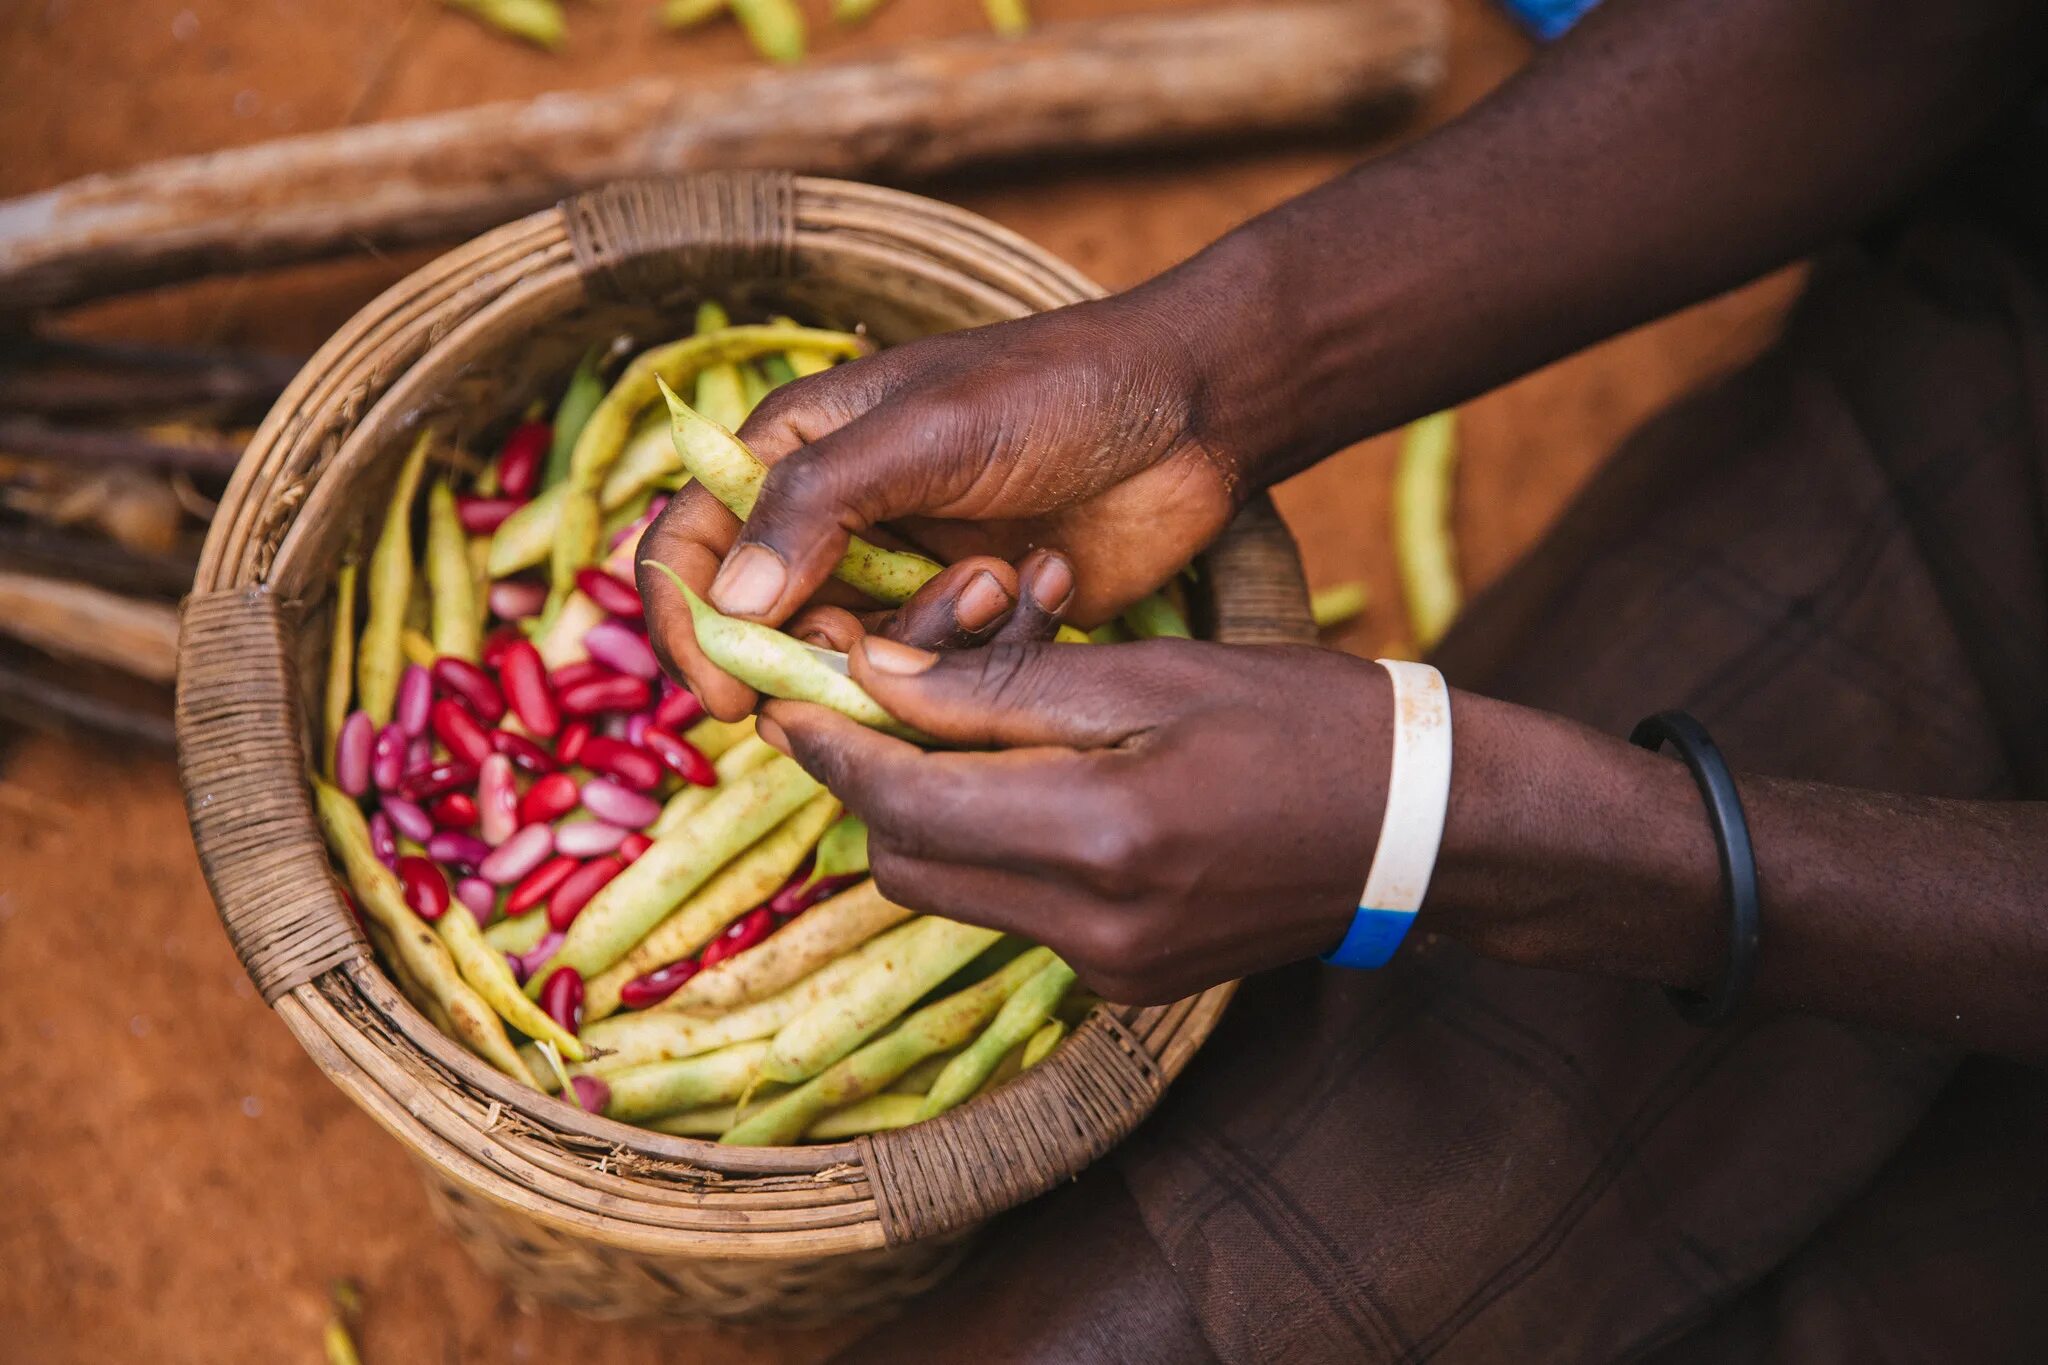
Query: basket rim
point(424, 1092)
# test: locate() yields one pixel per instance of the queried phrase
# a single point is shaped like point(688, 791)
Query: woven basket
point(568, 1207)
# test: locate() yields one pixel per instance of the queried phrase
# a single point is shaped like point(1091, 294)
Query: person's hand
point(1079, 430)
point(1151, 811)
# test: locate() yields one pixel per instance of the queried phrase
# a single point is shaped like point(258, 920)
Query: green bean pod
point(539, 22)
point(381, 657)
point(792, 952)
point(828, 1031)
point(1423, 548)
point(875, 1114)
point(937, 1027)
point(679, 862)
point(472, 1020)
point(777, 665)
point(452, 585)
point(604, 436)
point(1043, 1042)
point(341, 662)
point(486, 970)
point(525, 538)
point(722, 463)
point(1011, 18)
point(645, 1092)
point(774, 27)
point(740, 885)
point(1020, 1017)
point(648, 459)
point(519, 934)
point(575, 547)
point(579, 400)
point(680, 14)
point(1156, 618)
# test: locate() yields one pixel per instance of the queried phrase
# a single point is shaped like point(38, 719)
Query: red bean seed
point(474, 686)
point(633, 845)
point(537, 885)
point(591, 1092)
point(569, 747)
point(456, 810)
point(678, 709)
point(525, 681)
point(681, 757)
point(455, 727)
point(636, 768)
point(614, 692)
point(526, 756)
point(495, 644)
point(426, 890)
point(481, 516)
point(519, 459)
point(658, 985)
point(744, 932)
point(562, 997)
point(549, 799)
point(610, 592)
point(578, 887)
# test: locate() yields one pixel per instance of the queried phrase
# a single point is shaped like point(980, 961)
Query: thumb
point(1022, 695)
point(895, 460)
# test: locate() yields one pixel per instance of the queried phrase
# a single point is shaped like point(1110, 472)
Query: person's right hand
point(1080, 430)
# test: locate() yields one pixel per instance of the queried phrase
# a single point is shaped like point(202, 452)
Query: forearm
point(1572, 850)
point(1664, 152)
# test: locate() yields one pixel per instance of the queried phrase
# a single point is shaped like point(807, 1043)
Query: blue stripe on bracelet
point(1372, 938)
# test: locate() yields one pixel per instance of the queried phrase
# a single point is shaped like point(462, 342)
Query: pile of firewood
point(111, 459)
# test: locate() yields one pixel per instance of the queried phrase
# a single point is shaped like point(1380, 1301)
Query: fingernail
point(1052, 582)
point(749, 583)
point(771, 734)
point(888, 656)
point(981, 603)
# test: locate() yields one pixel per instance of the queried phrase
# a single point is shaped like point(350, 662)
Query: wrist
point(1569, 849)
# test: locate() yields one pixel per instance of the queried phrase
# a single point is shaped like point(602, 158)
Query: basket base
point(544, 1265)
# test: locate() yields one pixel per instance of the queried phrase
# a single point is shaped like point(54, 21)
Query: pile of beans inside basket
point(568, 867)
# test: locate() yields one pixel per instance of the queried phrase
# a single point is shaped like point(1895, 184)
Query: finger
point(966, 603)
point(901, 458)
point(1028, 810)
point(1039, 908)
point(1015, 695)
point(1046, 583)
point(689, 536)
point(827, 627)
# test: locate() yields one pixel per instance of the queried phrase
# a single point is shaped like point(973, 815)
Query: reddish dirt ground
point(181, 1183)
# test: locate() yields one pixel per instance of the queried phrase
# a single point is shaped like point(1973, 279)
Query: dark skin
point(1151, 811)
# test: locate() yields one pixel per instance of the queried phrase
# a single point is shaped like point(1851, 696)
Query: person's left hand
point(1164, 815)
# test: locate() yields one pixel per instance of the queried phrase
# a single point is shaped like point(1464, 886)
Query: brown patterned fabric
point(1837, 560)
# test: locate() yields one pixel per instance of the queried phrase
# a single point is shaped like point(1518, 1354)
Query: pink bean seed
point(518, 855)
point(588, 838)
point(383, 839)
point(618, 647)
point(463, 851)
point(415, 700)
point(591, 1092)
point(479, 895)
point(637, 726)
point(387, 758)
point(609, 801)
point(524, 965)
point(352, 753)
point(408, 819)
point(419, 754)
point(497, 800)
point(514, 601)
point(478, 692)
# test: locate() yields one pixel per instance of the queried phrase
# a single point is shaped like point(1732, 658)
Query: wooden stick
point(43, 551)
point(1066, 90)
point(77, 622)
point(79, 377)
point(34, 701)
point(74, 446)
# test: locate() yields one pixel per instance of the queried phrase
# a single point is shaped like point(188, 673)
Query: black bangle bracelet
point(1738, 859)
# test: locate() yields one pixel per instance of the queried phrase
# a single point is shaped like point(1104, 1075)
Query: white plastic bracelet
point(1412, 826)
